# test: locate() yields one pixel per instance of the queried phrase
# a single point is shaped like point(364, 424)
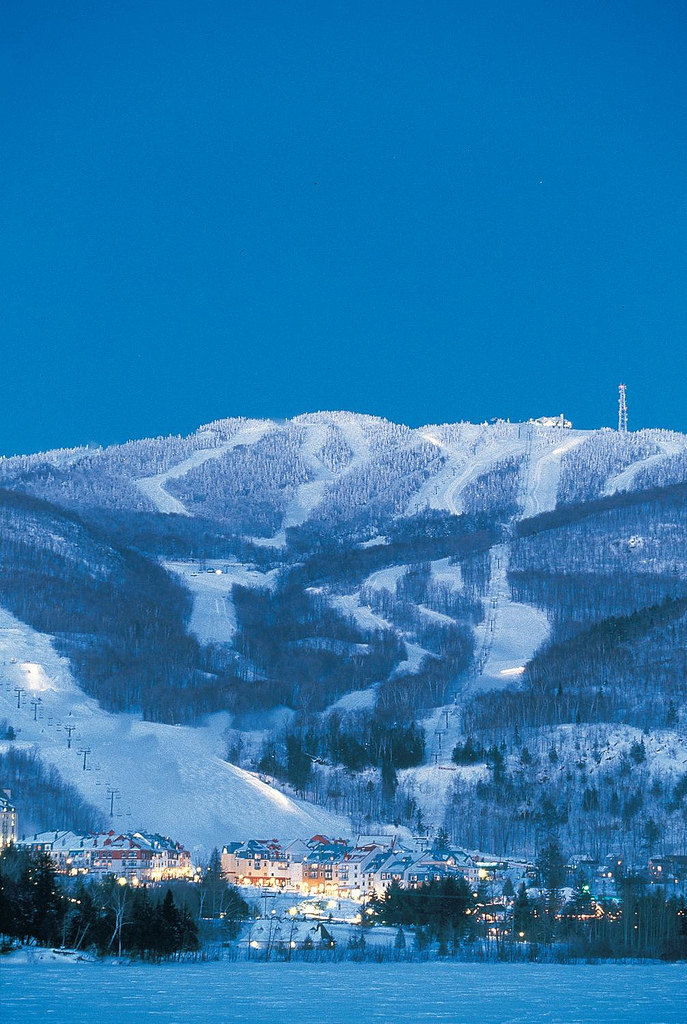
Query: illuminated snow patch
point(432, 440)
point(35, 676)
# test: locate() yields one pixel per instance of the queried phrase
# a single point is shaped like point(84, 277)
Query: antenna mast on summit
point(622, 409)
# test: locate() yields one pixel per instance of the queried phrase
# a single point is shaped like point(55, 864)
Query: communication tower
point(622, 409)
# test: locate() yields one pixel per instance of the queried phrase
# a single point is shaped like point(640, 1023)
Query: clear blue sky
point(428, 211)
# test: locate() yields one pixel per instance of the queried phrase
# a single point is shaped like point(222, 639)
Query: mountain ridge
point(349, 593)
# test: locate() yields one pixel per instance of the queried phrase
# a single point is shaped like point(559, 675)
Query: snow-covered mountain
point(334, 603)
point(261, 477)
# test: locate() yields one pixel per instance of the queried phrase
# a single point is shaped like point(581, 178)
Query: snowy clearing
point(385, 579)
point(213, 619)
point(430, 784)
point(447, 574)
point(413, 662)
point(350, 604)
point(356, 700)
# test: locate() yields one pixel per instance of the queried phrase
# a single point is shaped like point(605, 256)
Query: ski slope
point(213, 619)
point(479, 449)
point(170, 779)
point(154, 489)
point(349, 604)
point(511, 632)
point(544, 474)
point(625, 480)
point(466, 460)
point(310, 494)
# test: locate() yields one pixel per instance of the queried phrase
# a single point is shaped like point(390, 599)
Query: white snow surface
point(430, 784)
point(213, 619)
point(386, 579)
point(443, 992)
point(446, 574)
point(624, 481)
point(309, 495)
point(511, 632)
point(350, 604)
point(171, 779)
point(356, 700)
point(413, 662)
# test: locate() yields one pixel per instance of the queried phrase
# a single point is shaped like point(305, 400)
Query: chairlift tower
point(112, 793)
point(622, 409)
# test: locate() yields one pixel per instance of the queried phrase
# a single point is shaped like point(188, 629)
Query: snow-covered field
point(170, 779)
point(345, 993)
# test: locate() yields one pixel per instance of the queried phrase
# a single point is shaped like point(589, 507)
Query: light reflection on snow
point(35, 677)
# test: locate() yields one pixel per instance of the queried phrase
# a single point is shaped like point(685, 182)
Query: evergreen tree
point(441, 840)
point(298, 764)
point(551, 865)
point(43, 904)
point(523, 914)
point(167, 926)
point(141, 933)
point(213, 887)
point(508, 891)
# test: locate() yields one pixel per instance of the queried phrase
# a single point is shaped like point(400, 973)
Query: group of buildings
point(338, 868)
point(8, 819)
point(132, 856)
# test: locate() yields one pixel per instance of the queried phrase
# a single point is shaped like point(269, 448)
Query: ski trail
point(213, 619)
point(170, 779)
point(510, 632)
point(623, 481)
point(153, 487)
point(355, 439)
point(542, 490)
point(309, 495)
point(464, 465)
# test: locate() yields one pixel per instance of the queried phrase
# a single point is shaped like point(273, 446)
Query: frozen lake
point(297, 993)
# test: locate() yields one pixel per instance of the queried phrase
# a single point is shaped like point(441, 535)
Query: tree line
point(111, 917)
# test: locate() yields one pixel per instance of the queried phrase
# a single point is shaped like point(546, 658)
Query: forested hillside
point(477, 626)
